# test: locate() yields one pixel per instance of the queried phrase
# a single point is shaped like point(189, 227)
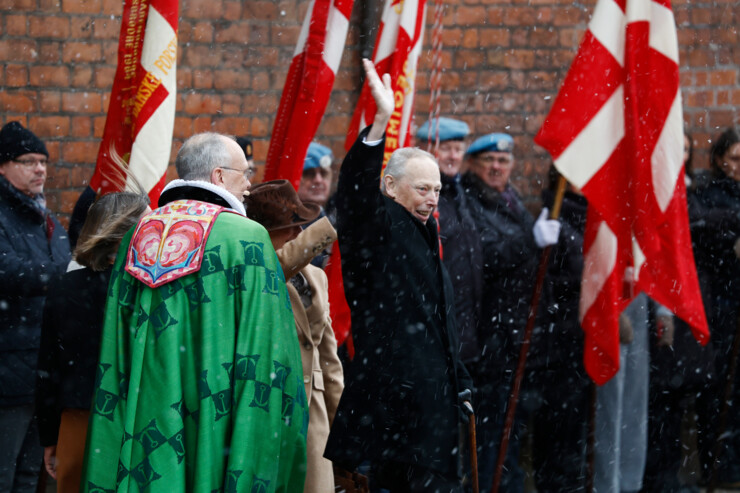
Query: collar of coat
point(16, 198)
point(200, 190)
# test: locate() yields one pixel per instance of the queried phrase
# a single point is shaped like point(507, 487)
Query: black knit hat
point(246, 145)
point(16, 141)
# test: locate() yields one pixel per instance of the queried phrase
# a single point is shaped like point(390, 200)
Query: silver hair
point(201, 154)
point(396, 166)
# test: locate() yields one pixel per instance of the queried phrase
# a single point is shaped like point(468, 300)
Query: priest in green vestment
point(199, 385)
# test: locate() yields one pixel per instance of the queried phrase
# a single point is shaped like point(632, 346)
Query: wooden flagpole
point(519, 375)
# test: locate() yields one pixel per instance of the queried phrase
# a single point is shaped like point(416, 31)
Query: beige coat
point(322, 371)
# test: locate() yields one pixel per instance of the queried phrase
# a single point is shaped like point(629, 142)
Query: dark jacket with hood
point(400, 403)
point(34, 250)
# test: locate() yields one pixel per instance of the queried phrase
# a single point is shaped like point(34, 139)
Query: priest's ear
point(217, 177)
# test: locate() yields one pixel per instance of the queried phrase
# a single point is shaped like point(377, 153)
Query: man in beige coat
point(277, 207)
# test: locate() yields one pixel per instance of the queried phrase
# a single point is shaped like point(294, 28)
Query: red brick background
point(503, 62)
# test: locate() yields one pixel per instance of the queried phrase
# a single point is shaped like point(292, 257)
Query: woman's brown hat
point(275, 205)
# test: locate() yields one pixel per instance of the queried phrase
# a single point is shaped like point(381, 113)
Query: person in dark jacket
point(70, 336)
point(715, 230)
point(510, 240)
point(34, 250)
point(557, 388)
point(402, 399)
point(461, 249)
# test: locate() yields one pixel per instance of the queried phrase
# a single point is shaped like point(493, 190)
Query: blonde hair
point(108, 221)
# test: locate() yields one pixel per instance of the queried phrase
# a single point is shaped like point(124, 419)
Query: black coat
point(34, 250)
point(400, 398)
point(558, 338)
point(510, 258)
point(462, 256)
point(70, 343)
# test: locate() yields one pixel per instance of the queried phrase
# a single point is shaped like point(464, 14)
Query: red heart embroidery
point(147, 242)
point(182, 239)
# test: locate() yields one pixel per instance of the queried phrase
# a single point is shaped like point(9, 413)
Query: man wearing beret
point(510, 239)
point(316, 179)
point(33, 250)
point(461, 249)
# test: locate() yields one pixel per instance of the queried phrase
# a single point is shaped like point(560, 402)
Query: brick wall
point(503, 62)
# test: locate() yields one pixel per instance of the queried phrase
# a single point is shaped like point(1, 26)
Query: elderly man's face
point(26, 172)
point(233, 176)
point(493, 167)
point(417, 190)
point(315, 185)
point(450, 155)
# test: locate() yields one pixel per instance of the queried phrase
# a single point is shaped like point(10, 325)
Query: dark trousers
point(398, 477)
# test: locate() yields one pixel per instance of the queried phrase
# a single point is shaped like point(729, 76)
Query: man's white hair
point(201, 154)
point(396, 166)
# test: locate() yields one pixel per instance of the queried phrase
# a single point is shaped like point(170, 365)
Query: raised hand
point(383, 95)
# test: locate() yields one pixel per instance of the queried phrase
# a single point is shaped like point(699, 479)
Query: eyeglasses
point(31, 163)
point(248, 173)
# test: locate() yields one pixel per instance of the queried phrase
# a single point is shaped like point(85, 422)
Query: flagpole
point(519, 375)
point(722, 426)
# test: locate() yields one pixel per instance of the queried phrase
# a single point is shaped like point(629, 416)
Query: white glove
point(546, 231)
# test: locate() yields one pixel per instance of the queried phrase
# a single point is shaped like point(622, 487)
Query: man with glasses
point(33, 250)
point(199, 350)
point(510, 239)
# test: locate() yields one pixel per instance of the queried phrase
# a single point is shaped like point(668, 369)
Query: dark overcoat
point(400, 400)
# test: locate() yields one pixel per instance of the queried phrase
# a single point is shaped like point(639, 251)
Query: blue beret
point(449, 129)
point(318, 156)
point(492, 142)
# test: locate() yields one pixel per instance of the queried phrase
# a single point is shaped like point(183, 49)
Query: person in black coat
point(401, 402)
point(715, 229)
point(557, 388)
point(461, 248)
point(510, 240)
point(70, 336)
point(34, 250)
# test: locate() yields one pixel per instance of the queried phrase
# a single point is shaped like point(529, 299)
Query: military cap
point(449, 129)
point(318, 156)
point(492, 142)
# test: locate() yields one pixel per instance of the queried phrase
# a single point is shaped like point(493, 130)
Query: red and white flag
point(137, 138)
point(616, 132)
point(307, 87)
point(397, 51)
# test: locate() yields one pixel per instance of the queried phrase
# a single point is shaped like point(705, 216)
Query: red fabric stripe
point(591, 81)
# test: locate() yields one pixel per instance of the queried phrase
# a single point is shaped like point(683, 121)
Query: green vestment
point(199, 385)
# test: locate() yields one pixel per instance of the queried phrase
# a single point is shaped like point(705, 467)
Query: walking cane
point(473, 447)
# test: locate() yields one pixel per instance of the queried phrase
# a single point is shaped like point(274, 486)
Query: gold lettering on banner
point(148, 85)
point(168, 58)
point(393, 130)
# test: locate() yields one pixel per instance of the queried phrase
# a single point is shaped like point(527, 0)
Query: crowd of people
point(187, 345)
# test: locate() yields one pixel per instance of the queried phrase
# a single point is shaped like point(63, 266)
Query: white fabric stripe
point(638, 258)
point(158, 35)
point(588, 152)
point(638, 10)
point(408, 17)
point(303, 36)
point(663, 37)
point(391, 21)
point(607, 25)
point(150, 152)
point(598, 264)
point(667, 157)
point(336, 35)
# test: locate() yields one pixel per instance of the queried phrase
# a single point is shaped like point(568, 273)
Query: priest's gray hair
point(396, 166)
point(201, 154)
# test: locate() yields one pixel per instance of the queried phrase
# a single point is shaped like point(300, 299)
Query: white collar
point(229, 197)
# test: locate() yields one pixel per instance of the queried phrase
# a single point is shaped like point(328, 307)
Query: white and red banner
point(137, 138)
point(397, 51)
point(616, 132)
point(307, 87)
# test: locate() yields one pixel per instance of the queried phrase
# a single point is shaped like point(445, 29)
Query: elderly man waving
point(401, 402)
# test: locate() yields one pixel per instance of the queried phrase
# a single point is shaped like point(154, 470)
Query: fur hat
point(275, 205)
point(16, 141)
